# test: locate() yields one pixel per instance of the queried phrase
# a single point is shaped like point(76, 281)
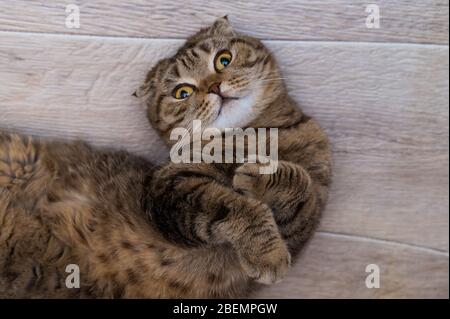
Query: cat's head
point(220, 77)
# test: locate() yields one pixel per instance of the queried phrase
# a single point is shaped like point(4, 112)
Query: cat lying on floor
point(179, 230)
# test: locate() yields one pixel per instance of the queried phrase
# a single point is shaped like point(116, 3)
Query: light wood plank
point(384, 106)
point(334, 267)
point(386, 110)
point(423, 21)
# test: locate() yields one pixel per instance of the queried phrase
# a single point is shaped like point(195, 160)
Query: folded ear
point(148, 86)
point(221, 27)
point(143, 90)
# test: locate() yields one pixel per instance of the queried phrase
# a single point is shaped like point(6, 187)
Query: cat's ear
point(146, 88)
point(142, 91)
point(221, 27)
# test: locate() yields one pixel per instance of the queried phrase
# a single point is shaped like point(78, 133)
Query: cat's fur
point(181, 230)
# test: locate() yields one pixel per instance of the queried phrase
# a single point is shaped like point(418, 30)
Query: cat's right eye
point(222, 60)
point(183, 91)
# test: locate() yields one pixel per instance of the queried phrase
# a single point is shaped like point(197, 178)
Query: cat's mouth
point(226, 100)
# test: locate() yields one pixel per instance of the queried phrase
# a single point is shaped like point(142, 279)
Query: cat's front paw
point(249, 181)
point(267, 264)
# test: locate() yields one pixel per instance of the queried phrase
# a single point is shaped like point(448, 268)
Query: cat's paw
point(288, 179)
point(249, 181)
point(267, 264)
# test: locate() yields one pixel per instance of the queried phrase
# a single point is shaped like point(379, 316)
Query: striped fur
point(174, 231)
point(199, 201)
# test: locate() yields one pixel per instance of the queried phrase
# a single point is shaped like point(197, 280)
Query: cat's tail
point(19, 158)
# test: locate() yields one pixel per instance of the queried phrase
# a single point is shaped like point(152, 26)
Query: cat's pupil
point(224, 61)
point(184, 94)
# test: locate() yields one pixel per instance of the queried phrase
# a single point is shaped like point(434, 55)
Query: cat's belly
point(54, 215)
point(116, 258)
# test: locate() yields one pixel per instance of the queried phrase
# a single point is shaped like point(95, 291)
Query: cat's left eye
point(222, 60)
point(183, 91)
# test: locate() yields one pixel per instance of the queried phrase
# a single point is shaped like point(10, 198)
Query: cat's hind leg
point(293, 195)
point(190, 206)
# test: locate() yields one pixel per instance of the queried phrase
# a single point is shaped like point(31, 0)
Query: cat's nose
point(214, 88)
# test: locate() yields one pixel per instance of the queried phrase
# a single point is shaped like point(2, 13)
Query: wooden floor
point(381, 94)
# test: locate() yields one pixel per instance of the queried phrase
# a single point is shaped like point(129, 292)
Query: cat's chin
point(234, 112)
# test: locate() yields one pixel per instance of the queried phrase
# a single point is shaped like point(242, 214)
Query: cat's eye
point(183, 91)
point(222, 60)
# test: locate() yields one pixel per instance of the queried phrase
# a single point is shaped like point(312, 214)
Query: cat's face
point(219, 77)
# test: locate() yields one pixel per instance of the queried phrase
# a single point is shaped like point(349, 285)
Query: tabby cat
point(177, 230)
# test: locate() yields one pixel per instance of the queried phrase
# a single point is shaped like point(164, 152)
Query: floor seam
point(306, 41)
point(386, 242)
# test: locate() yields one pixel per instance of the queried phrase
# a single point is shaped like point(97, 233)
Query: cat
point(136, 230)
